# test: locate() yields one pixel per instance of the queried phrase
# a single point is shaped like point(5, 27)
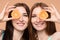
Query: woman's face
point(38, 24)
point(21, 23)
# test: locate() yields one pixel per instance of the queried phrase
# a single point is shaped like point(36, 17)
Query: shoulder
point(56, 36)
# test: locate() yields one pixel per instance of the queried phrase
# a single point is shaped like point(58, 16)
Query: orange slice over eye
point(43, 14)
point(15, 14)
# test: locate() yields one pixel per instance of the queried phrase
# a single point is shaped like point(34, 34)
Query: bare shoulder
point(56, 36)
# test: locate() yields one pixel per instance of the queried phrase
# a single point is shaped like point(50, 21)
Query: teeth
point(20, 24)
point(39, 24)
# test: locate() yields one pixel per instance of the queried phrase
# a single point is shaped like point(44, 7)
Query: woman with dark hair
point(17, 29)
point(44, 29)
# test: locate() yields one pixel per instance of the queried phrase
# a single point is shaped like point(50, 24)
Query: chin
point(20, 28)
point(39, 29)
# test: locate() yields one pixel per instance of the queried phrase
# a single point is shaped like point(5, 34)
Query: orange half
point(43, 14)
point(15, 14)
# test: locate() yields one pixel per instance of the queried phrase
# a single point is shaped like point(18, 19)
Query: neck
point(42, 35)
point(17, 35)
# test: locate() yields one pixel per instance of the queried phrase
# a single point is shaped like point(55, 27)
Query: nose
point(38, 20)
point(21, 19)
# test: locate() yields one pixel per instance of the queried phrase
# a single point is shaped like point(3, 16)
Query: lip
point(39, 24)
point(21, 24)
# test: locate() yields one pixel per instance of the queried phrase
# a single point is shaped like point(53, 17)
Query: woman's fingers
point(7, 19)
point(3, 12)
point(52, 19)
point(5, 7)
point(49, 9)
point(56, 12)
point(10, 8)
point(53, 6)
point(47, 19)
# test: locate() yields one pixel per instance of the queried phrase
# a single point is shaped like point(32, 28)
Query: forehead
point(21, 9)
point(36, 10)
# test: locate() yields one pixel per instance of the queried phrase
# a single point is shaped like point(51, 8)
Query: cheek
point(14, 21)
point(33, 20)
point(25, 19)
point(44, 25)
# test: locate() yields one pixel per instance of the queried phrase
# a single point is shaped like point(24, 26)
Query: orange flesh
point(15, 14)
point(43, 14)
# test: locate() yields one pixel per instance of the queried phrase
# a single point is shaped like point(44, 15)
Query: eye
point(25, 14)
point(33, 15)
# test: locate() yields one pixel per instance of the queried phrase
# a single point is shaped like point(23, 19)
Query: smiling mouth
point(21, 24)
point(39, 24)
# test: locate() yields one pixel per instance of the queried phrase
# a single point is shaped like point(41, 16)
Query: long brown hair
point(50, 29)
point(8, 34)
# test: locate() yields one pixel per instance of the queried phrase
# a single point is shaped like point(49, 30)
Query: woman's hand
point(5, 13)
point(55, 16)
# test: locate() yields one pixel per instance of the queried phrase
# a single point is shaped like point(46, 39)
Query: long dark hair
point(50, 29)
point(8, 34)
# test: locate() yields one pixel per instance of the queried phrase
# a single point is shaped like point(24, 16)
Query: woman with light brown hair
point(44, 29)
